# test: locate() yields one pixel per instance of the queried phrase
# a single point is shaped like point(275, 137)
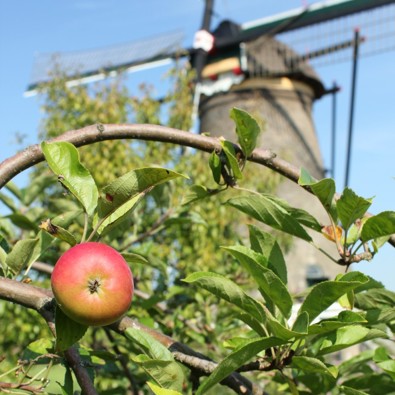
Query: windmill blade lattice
point(86, 66)
point(376, 25)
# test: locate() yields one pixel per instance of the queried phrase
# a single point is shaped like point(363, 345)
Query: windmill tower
point(270, 86)
point(248, 67)
point(251, 69)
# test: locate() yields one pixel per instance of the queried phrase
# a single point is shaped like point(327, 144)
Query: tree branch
point(32, 155)
point(77, 366)
point(189, 357)
point(41, 300)
point(24, 387)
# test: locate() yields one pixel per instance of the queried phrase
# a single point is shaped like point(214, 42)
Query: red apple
point(92, 284)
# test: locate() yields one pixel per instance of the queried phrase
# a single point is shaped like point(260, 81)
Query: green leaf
point(267, 245)
point(381, 355)
point(22, 221)
point(120, 198)
point(230, 153)
point(370, 383)
point(382, 316)
point(378, 298)
point(68, 332)
point(63, 159)
point(8, 201)
point(198, 192)
point(388, 367)
point(354, 232)
point(344, 390)
point(345, 318)
point(13, 188)
point(161, 391)
point(130, 185)
point(115, 219)
point(324, 189)
point(236, 342)
point(236, 359)
point(302, 216)
point(186, 218)
point(326, 327)
point(67, 388)
point(282, 332)
point(167, 374)
point(379, 225)
point(4, 246)
point(322, 295)
point(249, 320)
point(30, 193)
point(312, 365)
point(132, 257)
point(267, 280)
point(347, 300)
point(301, 323)
point(351, 207)
point(58, 232)
point(271, 213)
point(227, 290)
point(247, 130)
point(347, 336)
point(158, 361)
point(3, 265)
point(38, 347)
point(27, 251)
point(349, 365)
point(215, 166)
point(150, 346)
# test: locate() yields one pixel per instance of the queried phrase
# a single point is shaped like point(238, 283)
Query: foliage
point(177, 217)
point(68, 108)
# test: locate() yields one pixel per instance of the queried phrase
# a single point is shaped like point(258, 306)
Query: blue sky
point(28, 27)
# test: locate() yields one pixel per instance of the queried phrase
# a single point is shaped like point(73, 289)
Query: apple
point(92, 284)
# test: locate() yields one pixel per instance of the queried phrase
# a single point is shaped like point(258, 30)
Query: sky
point(29, 27)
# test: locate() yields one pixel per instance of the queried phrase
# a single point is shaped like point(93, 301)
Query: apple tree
point(211, 309)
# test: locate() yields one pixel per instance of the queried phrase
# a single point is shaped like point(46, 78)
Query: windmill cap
point(268, 57)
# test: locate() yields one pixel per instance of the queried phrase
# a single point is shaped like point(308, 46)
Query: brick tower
point(268, 78)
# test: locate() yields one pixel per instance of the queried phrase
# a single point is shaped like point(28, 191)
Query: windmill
point(263, 66)
point(317, 34)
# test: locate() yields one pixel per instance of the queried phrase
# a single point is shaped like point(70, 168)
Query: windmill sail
point(322, 28)
point(96, 64)
point(334, 37)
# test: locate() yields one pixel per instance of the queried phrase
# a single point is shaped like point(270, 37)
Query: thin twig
point(24, 387)
point(148, 233)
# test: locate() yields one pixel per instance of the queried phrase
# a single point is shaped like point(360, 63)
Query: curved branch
point(32, 155)
point(41, 300)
